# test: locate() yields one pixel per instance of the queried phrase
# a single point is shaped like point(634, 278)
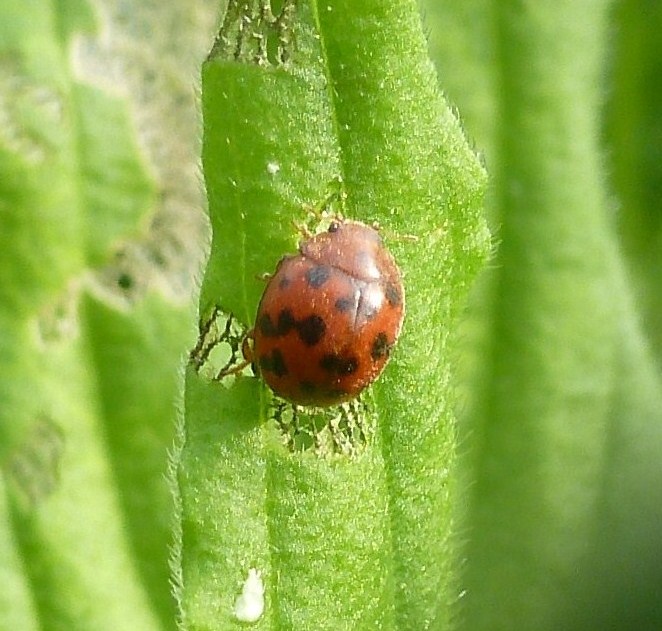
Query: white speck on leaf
point(249, 605)
point(273, 168)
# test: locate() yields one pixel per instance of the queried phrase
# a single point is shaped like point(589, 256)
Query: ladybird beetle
point(328, 317)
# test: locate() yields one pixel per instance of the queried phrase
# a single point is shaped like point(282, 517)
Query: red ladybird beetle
point(329, 317)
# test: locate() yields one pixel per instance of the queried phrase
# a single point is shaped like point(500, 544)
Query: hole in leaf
point(218, 351)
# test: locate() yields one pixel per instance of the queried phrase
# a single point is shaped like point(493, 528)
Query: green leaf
point(563, 432)
point(355, 537)
point(351, 515)
point(634, 142)
point(93, 322)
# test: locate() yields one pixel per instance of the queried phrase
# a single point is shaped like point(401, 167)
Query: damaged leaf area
point(253, 32)
point(343, 513)
point(219, 358)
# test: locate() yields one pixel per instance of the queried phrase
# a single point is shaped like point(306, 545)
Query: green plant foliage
point(93, 331)
point(355, 534)
point(356, 517)
point(564, 426)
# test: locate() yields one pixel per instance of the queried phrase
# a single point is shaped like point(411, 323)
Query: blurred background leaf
point(101, 234)
point(563, 467)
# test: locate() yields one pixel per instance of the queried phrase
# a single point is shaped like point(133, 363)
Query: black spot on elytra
point(308, 387)
point(339, 365)
point(311, 330)
point(283, 326)
point(283, 282)
point(318, 275)
point(286, 322)
point(393, 295)
point(266, 326)
point(345, 304)
point(274, 363)
point(380, 347)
